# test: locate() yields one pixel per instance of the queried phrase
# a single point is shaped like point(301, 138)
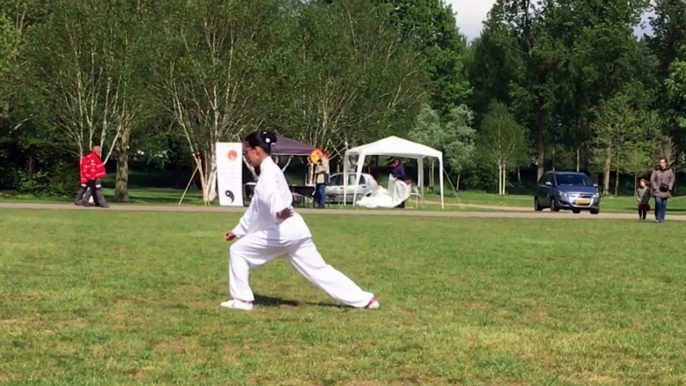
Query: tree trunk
point(121, 187)
point(30, 165)
point(457, 186)
point(540, 145)
point(504, 179)
point(519, 177)
point(617, 182)
point(208, 176)
point(578, 159)
point(500, 179)
point(6, 109)
point(667, 148)
point(594, 177)
point(607, 170)
point(635, 181)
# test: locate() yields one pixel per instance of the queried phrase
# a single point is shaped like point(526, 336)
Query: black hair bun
point(268, 138)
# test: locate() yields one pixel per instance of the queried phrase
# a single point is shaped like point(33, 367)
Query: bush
point(63, 180)
point(29, 183)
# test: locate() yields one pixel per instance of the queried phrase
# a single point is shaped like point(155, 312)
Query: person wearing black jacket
point(399, 174)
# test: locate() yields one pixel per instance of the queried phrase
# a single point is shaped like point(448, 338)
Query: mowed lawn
point(96, 297)
point(609, 204)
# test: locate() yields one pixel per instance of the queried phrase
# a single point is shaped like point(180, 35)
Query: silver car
point(567, 190)
point(335, 189)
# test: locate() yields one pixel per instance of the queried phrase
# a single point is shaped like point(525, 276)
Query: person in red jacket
point(93, 170)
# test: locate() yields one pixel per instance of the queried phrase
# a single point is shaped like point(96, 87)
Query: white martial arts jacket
point(271, 196)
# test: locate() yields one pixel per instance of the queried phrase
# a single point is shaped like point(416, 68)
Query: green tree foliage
point(676, 88)
point(669, 35)
point(502, 142)
point(460, 146)
point(430, 26)
point(210, 72)
point(8, 49)
point(158, 81)
point(454, 136)
point(16, 18)
point(350, 81)
point(78, 72)
point(626, 137)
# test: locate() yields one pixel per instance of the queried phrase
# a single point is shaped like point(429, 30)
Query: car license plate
point(582, 202)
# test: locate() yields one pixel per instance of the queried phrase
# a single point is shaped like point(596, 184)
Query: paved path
point(344, 212)
point(487, 207)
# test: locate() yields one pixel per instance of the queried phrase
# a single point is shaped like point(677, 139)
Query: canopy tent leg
point(420, 183)
point(358, 174)
point(440, 162)
point(346, 167)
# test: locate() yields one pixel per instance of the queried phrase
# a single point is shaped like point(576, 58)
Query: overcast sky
point(472, 13)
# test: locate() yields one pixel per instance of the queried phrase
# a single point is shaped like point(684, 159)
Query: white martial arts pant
point(259, 248)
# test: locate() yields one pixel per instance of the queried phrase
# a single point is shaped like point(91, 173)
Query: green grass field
point(677, 205)
point(113, 298)
point(167, 196)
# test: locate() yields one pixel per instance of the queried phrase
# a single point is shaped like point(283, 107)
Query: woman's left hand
point(284, 214)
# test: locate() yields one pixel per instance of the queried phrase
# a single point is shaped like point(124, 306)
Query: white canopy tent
point(392, 147)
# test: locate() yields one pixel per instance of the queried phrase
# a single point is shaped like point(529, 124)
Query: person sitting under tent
point(399, 174)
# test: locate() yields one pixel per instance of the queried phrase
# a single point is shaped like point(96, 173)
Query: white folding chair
point(416, 198)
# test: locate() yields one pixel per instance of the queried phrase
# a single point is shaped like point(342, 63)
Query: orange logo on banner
point(315, 156)
point(233, 155)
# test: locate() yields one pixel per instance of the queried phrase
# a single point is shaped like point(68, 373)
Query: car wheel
point(595, 211)
point(537, 205)
point(576, 211)
point(553, 205)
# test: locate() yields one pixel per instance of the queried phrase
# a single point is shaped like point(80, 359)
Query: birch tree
point(460, 146)
point(428, 130)
point(454, 137)
point(16, 17)
point(624, 136)
point(502, 142)
point(74, 62)
point(353, 81)
point(212, 72)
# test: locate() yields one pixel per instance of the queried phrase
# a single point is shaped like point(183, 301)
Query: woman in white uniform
point(270, 229)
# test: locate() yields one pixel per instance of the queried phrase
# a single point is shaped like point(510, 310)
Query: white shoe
point(373, 304)
point(237, 305)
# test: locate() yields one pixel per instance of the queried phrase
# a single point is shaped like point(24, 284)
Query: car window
point(336, 180)
point(544, 178)
point(573, 180)
point(352, 179)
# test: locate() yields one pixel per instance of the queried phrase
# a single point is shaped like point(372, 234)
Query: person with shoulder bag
point(661, 183)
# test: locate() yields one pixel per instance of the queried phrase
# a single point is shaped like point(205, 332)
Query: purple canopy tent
point(287, 146)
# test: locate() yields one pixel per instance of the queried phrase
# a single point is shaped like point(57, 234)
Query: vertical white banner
point(230, 173)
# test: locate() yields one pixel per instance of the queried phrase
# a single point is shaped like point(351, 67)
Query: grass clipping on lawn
point(114, 298)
